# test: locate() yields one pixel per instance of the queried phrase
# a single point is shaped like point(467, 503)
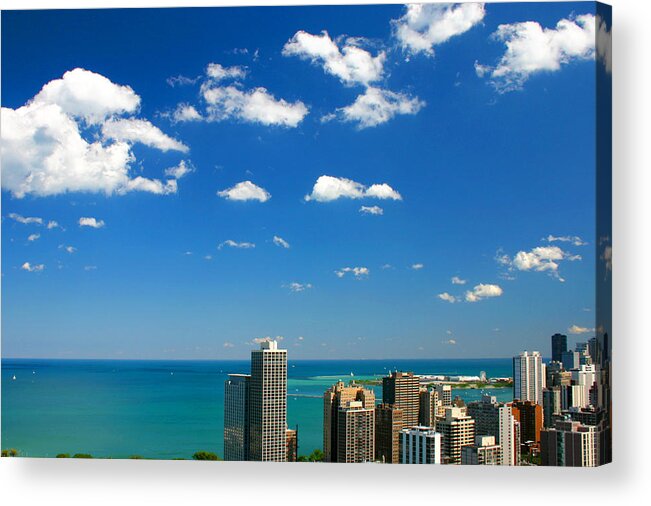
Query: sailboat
point(14, 378)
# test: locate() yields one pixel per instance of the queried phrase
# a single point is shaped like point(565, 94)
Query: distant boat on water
point(14, 378)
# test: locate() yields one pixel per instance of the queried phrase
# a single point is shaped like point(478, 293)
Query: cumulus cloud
point(219, 72)
point(26, 220)
point(139, 130)
point(350, 63)
point(456, 280)
point(328, 188)
point(417, 267)
point(358, 272)
point(279, 241)
point(375, 210)
point(33, 237)
point(91, 222)
point(424, 26)
point(52, 224)
point(32, 268)
point(532, 49)
point(299, 287)
point(447, 297)
point(377, 106)
point(576, 329)
point(234, 244)
point(254, 106)
point(574, 239)
point(178, 171)
point(68, 249)
point(245, 190)
point(50, 146)
point(482, 291)
point(451, 342)
point(185, 112)
point(539, 259)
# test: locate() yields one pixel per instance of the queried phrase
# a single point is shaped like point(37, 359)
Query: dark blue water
point(171, 409)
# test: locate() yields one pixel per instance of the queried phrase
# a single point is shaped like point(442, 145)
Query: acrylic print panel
point(342, 233)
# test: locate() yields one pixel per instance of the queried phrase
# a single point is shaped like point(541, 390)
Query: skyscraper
point(402, 390)
point(335, 397)
point(420, 445)
point(355, 433)
point(551, 405)
point(497, 420)
point(236, 417)
point(429, 404)
point(559, 346)
point(528, 377)
point(388, 424)
point(268, 403)
point(457, 430)
point(530, 416)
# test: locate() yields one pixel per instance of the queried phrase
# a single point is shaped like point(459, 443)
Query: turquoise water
point(170, 409)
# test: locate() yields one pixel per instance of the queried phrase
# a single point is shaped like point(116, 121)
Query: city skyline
point(353, 202)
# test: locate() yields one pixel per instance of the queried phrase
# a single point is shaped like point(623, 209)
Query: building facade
point(355, 433)
point(528, 377)
point(402, 389)
point(570, 444)
point(268, 404)
point(484, 452)
point(236, 417)
point(388, 424)
point(559, 346)
point(457, 430)
point(420, 445)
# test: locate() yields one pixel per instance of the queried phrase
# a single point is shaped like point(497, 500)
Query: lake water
point(171, 409)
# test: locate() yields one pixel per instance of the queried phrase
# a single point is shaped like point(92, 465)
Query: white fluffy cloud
point(26, 220)
point(530, 49)
point(232, 101)
point(279, 241)
point(245, 190)
point(328, 188)
point(417, 267)
point(456, 280)
point(424, 26)
point(32, 268)
point(234, 244)
point(377, 106)
point(350, 63)
point(178, 171)
point(91, 222)
point(576, 329)
point(483, 291)
point(68, 249)
point(447, 297)
point(49, 146)
point(254, 106)
point(604, 45)
point(539, 259)
point(376, 210)
point(358, 272)
point(53, 224)
point(33, 237)
point(139, 130)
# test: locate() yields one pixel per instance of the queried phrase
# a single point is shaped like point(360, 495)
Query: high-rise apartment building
point(559, 346)
point(483, 452)
point(570, 444)
point(355, 433)
point(429, 407)
point(268, 403)
point(236, 417)
point(420, 445)
point(528, 377)
point(571, 360)
point(551, 405)
point(585, 376)
point(388, 424)
point(497, 420)
point(335, 397)
point(530, 416)
point(457, 430)
point(402, 390)
point(445, 397)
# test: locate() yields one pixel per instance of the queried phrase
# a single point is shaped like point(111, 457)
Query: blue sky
point(481, 137)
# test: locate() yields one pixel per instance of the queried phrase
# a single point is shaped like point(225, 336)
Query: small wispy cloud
point(576, 329)
point(374, 210)
point(456, 280)
point(358, 272)
point(417, 267)
point(33, 237)
point(483, 291)
point(298, 287)
point(447, 297)
point(234, 244)
point(68, 249)
point(32, 268)
point(279, 241)
point(26, 220)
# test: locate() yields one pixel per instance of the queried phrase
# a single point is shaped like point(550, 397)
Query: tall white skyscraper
point(420, 445)
point(268, 404)
point(509, 434)
point(528, 377)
